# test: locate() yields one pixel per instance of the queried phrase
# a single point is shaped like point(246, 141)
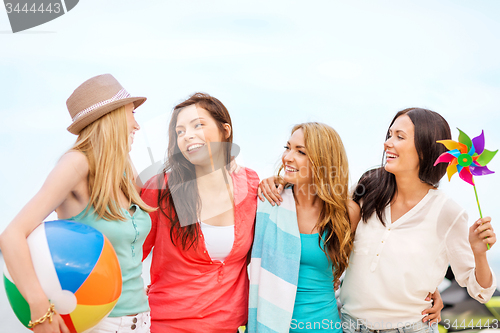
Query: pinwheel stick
point(480, 213)
point(478, 205)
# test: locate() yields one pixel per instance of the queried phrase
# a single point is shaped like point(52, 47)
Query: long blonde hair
point(105, 144)
point(330, 171)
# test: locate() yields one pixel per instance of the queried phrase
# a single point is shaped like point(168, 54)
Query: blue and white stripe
point(274, 266)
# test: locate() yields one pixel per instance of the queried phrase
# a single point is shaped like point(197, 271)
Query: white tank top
point(218, 240)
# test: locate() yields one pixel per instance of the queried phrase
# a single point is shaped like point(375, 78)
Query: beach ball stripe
point(69, 323)
point(16, 300)
point(80, 316)
point(97, 280)
point(73, 267)
point(45, 269)
point(78, 270)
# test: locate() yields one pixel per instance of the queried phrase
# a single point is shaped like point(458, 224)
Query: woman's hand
point(268, 189)
point(233, 166)
point(480, 234)
point(433, 315)
point(56, 326)
point(336, 285)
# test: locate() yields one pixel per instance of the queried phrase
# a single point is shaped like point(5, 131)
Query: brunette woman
point(410, 232)
point(203, 229)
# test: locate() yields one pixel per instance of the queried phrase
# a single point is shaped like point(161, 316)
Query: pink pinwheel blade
point(466, 176)
point(480, 171)
point(444, 158)
point(478, 143)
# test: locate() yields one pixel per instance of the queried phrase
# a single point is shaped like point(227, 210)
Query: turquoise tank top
point(315, 308)
point(127, 238)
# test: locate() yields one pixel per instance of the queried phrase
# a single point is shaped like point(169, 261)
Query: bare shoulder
point(75, 160)
point(354, 212)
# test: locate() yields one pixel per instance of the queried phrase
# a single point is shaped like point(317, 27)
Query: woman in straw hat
point(93, 183)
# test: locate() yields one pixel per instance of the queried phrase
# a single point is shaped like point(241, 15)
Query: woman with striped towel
point(302, 246)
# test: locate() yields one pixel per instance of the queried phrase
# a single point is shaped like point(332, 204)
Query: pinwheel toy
point(468, 158)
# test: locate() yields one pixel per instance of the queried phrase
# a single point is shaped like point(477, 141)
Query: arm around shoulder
point(354, 214)
point(149, 194)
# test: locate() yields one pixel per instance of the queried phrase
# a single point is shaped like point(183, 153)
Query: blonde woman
point(302, 246)
point(93, 183)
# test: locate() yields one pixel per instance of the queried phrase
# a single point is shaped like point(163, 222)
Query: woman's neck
point(214, 162)
point(305, 195)
point(410, 188)
point(213, 181)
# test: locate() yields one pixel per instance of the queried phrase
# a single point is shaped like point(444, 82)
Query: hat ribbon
point(122, 94)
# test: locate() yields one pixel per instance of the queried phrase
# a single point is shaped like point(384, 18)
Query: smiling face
point(197, 131)
point(296, 163)
point(132, 125)
point(401, 154)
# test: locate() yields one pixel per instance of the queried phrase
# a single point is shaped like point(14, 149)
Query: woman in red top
point(203, 229)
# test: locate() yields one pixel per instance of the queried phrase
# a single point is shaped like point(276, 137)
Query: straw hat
point(96, 97)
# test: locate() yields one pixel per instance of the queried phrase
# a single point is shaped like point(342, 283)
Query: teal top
point(127, 238)
point(315, 308)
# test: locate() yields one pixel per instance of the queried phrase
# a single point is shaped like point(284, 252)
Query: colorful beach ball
point(78, 270)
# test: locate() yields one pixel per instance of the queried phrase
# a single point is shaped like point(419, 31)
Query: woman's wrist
point(38, 304)
point(483, 271)
point(48, 316)
point(480, 258)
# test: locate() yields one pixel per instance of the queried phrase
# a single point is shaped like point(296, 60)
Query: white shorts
point(139, 323)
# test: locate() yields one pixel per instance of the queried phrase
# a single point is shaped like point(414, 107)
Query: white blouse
point(393, 268)
point(218, 240)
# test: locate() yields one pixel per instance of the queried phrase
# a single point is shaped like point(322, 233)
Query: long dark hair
point(182, 176)
point(377, 187)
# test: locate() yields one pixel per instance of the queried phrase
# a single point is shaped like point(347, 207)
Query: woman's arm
point(354, 214)
point(433, 315)
point(149, 195)
point(135, 176)
point(68, 173)
point(467, 257)
point(267, 188)
point(480, 234)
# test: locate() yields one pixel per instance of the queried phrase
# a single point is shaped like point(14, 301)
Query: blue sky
point(350, 64)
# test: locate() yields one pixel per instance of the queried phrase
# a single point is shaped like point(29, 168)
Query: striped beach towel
point(274, 266)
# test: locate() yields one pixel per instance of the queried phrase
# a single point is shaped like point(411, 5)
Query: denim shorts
point(139, 323)
point(353, 325)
